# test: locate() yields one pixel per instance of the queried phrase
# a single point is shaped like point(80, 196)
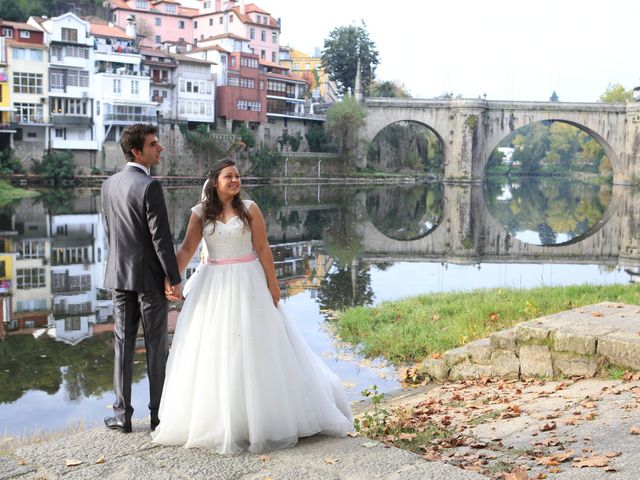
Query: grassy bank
point(411, 329)
point(9, 193)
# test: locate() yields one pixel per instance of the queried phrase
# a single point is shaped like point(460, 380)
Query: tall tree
point(388, 88)
point(616, 93)
point(340, 57)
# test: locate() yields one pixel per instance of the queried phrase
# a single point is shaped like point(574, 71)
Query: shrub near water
point(411, 329)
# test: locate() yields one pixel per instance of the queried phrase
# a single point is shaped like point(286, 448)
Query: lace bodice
point(228, 240)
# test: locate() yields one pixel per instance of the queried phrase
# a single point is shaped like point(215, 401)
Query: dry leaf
point(353, 434)
point(100, 460)
point(494, 317)
point(369, 444)
point(593, 461)
point(517, 474)
point(436, 355)
point(72, 462)
point(265, 458)
point(596, 314)
point(548, 426)
point(635, 430)
point(330, 461)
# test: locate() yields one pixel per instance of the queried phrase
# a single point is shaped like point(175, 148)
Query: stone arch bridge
point(470, 129)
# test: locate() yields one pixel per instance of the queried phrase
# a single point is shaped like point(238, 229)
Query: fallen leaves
point(601, 460)
point(72, 462)
point(635, 430)
point(547, 426)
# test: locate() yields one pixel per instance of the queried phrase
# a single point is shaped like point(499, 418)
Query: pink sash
point(229, 261)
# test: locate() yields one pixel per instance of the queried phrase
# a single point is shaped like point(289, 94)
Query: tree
point(344, 120)
point(11, 11)
point(9, 163)
point(616, 93)
point(388, 88)
point(316, 138)
point(340, 57)
point(554, 97)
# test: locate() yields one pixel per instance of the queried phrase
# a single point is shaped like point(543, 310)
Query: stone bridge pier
point(470, 130)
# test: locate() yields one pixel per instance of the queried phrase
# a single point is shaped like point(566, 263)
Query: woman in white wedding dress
point(239, 375)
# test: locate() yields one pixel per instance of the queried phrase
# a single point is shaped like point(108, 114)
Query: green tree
point(56, 165)
point(9, 163)
point(246, 136)
point(616, 93)
point(554, 97)
point(12, 11)
point(344, 120)
point(388, 88)
point(340, 57)
point(316, 138)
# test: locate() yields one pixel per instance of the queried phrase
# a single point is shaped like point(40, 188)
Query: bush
point(264, 161)
point(55, 165)
point(316, 138)
point(9, 163)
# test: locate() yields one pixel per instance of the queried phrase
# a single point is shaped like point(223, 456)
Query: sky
point(508, 50)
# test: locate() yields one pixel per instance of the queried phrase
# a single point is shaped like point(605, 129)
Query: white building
point(122, 91)
point(71, 64)
point(195, 90)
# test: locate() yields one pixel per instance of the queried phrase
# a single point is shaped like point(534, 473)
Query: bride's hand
point(275, 293)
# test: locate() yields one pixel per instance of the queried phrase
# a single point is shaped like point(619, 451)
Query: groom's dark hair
point(133, 137)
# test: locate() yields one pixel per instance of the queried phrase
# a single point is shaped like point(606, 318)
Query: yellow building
point(6, 131)
point(309, 68)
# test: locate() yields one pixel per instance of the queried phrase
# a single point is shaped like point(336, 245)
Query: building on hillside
point(71, 67)
point(156, 21)
point(161, 67)
point(196, 93)
point(122, 90)
point(309, 68)
point(28, 83)
point(6, 128)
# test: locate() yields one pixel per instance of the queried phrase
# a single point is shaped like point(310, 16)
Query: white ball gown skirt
point(239, 375)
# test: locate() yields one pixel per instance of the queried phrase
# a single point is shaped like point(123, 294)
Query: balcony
point(129, 118)
point(30, 120)
point(302, 116)
point(61, 120)
point(62, 144)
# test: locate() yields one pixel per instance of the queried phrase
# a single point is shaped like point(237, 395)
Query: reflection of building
point(300, 265)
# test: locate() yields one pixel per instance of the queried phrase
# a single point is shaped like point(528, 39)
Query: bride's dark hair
point(211, 202)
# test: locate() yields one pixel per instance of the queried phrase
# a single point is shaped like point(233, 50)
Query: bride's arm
point(261, 246)
point(190, 242)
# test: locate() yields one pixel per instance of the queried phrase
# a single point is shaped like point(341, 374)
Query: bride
point(239, 375)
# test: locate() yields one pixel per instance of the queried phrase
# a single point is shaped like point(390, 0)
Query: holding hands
point(172, 292)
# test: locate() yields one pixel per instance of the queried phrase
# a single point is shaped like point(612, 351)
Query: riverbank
point(415, 328)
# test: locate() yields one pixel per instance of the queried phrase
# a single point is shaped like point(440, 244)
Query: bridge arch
point(470, 129)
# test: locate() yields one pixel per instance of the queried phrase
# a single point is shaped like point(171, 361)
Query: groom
point(141, 269)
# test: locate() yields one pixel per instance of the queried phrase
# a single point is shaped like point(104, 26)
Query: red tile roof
point(109, 31)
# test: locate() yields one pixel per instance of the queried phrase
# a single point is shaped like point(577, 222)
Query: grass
point(9, 193)
point(412, 329)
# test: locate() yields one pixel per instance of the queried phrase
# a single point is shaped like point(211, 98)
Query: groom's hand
point(172, 292)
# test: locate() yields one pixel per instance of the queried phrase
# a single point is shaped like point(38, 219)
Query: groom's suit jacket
point(136, 224)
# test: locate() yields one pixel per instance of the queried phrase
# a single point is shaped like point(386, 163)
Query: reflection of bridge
point(469, 234)
point(470, 129)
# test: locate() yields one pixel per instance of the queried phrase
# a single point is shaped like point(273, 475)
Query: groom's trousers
point(129, 309)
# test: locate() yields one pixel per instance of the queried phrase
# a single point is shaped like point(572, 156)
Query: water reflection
point(406, 212)
point(334, 247)
point(549, 211)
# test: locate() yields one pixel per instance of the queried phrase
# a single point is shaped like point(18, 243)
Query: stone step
point(579, 342)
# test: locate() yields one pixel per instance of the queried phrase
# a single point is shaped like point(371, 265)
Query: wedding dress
point(239, 374)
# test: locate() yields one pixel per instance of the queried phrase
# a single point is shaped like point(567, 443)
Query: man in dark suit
point(141, 269)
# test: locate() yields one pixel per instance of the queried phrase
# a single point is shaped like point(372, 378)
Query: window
point(252, 33)
point(27, 278)
point(27, 54)
point(249, 105)
point(263, 54)
point(69, 35)
point(263, 35)
point(61, 133)
point(29, 112)
point(230, 18)
point(195, 24)
point(135, 87)
point(220, 20)
point(142, 4)
point(233, 61)
point(25, 34)
point(211, 22)
point(117, 86)
point(258, 18)
point(307, 66)
point(158, 39)
point(158, 21)
point(30, 249)
point(181, 24)
point(170, 8)
point(273, 57)
point(7, 32)
point(32, 135)
point(207, 4)
point(247, 82)
point(274, 37)
point(27, 83)
point(98, 108)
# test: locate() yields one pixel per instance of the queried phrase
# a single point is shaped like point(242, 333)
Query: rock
point(456, 355)
point(504, 340)
point(573, 342)
point(533, 330)
point(436, 368)
point(620, 350)
point(480, 351)
point(535, 361)
point(574, 365)
point(469, 371)
point(505, 364)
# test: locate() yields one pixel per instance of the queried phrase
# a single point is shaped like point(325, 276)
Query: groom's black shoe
point(154, 425)
point(115, 424)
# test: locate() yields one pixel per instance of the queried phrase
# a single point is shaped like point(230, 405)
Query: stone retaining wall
point(580, 342)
